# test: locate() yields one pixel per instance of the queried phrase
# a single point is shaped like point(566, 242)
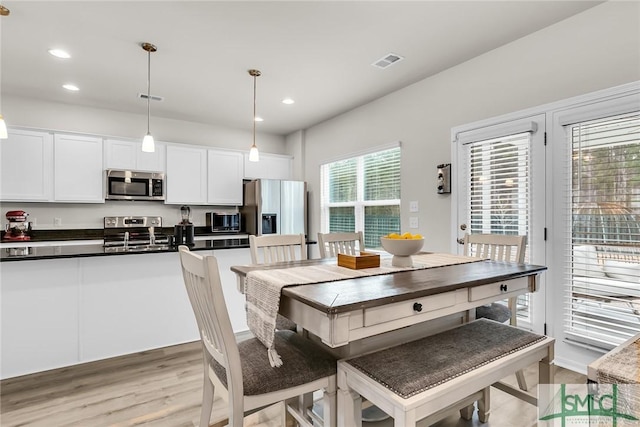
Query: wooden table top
point(372, 291)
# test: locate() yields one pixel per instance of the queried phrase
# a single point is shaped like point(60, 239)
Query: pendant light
point(254, 155)
point(148, 145)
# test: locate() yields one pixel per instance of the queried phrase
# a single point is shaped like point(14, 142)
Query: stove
point(134, 234)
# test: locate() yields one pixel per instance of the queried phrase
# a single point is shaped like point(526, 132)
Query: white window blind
point(499, 185)
point(362, 193)
point(499, 192)
point(603, 292)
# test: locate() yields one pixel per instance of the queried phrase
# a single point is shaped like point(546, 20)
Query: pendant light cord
point(254, 110)
point(148, 91)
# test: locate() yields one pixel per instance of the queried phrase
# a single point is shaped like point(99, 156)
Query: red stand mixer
point(18, 227)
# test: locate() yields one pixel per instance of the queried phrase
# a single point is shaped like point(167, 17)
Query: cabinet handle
point(417, 307)
point(503, 288)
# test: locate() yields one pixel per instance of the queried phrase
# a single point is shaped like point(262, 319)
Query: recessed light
point(259, 119)
point(288, 101)
point(71, 87)
point(59, 53)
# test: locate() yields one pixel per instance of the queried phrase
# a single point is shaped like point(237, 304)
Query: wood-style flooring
point(162, 388)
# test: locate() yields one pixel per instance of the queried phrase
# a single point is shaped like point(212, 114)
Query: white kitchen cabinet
point(224, 178)
point(38, 315)
point(270, 166)
point(186, 174)
point(77, 169)
point(128, 155)
point(26, 160)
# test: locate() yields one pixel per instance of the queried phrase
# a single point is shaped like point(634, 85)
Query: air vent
point(153, 97)
point(387, 60)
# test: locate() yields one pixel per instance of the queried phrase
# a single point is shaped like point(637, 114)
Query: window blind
point(603, 292)
point(362, 193)
point(498, 192)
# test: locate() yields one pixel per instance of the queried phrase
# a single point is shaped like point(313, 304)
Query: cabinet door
point(128, 155)
point(152, 162)
point(186, 174)
point(120, 154)
point(78, 174)
point(270, 166)
point(26, 158)
point(225, 171)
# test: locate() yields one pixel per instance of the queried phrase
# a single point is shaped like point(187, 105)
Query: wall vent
point(153, 97)
point(387, 60)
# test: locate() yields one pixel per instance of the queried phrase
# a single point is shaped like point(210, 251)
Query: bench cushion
point(416, 366)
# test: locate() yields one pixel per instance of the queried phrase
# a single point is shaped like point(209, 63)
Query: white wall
point(596, 49)
point(33, 113)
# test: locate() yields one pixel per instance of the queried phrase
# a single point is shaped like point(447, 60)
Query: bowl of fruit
point(402, 246)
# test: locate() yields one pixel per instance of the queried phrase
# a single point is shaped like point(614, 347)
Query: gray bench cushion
point(494, 311)
point(303, 361)
point(410, 368)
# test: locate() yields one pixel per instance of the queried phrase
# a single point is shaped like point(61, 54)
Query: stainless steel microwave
point(134, 185)
point(223, 222)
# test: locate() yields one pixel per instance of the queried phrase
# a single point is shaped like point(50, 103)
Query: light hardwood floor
point(163, 388)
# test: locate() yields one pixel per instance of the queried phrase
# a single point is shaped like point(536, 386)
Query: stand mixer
point(18, 227)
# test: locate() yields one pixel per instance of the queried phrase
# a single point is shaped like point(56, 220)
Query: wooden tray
point(356, 262)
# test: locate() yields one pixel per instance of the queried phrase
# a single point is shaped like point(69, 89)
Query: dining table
point(369, 312)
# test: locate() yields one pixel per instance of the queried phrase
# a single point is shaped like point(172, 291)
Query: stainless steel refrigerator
point(273, 206)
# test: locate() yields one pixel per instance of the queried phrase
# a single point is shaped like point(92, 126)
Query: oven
point(134, 234)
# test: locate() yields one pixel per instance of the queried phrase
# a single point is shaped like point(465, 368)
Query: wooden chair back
point(202, 280)
point(332, 244)
point(277, 248)
point(498, 247)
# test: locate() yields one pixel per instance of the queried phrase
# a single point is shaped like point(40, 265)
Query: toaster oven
point(223, 222)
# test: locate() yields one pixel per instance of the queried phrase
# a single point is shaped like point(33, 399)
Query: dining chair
point(277, 248)
point(240, 372)
point(332, 244)
point(498, 247)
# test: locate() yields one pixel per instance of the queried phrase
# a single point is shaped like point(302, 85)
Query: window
point(603, 302)
point(362, 193)
point(499, 186)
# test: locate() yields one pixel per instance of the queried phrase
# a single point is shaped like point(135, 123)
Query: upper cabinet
point(78, 175)
point(270, 166)
point(26, 158)
point(186, 174)
point(225, 171)
point(128, 155)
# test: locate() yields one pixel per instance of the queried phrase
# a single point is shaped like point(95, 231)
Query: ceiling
point(317, 52)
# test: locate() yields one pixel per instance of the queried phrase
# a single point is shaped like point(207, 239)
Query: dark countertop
point(26, 253)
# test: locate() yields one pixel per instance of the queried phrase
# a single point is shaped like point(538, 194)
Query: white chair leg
point(330, 408)
point(207, 402)
point(484, 405)
point(466, 413)
point(522, 382)
point(350, 404)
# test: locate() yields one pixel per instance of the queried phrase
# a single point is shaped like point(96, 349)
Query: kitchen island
point(65, 303)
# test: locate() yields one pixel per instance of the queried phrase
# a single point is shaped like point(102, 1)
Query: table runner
point(263, 288)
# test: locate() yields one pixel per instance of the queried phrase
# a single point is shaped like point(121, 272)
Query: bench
point(428, 378)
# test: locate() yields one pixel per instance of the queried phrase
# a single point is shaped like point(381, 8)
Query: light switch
point(413, 222)
point(413, 206)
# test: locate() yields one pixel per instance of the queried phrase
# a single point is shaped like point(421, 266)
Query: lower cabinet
point(57, 313)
